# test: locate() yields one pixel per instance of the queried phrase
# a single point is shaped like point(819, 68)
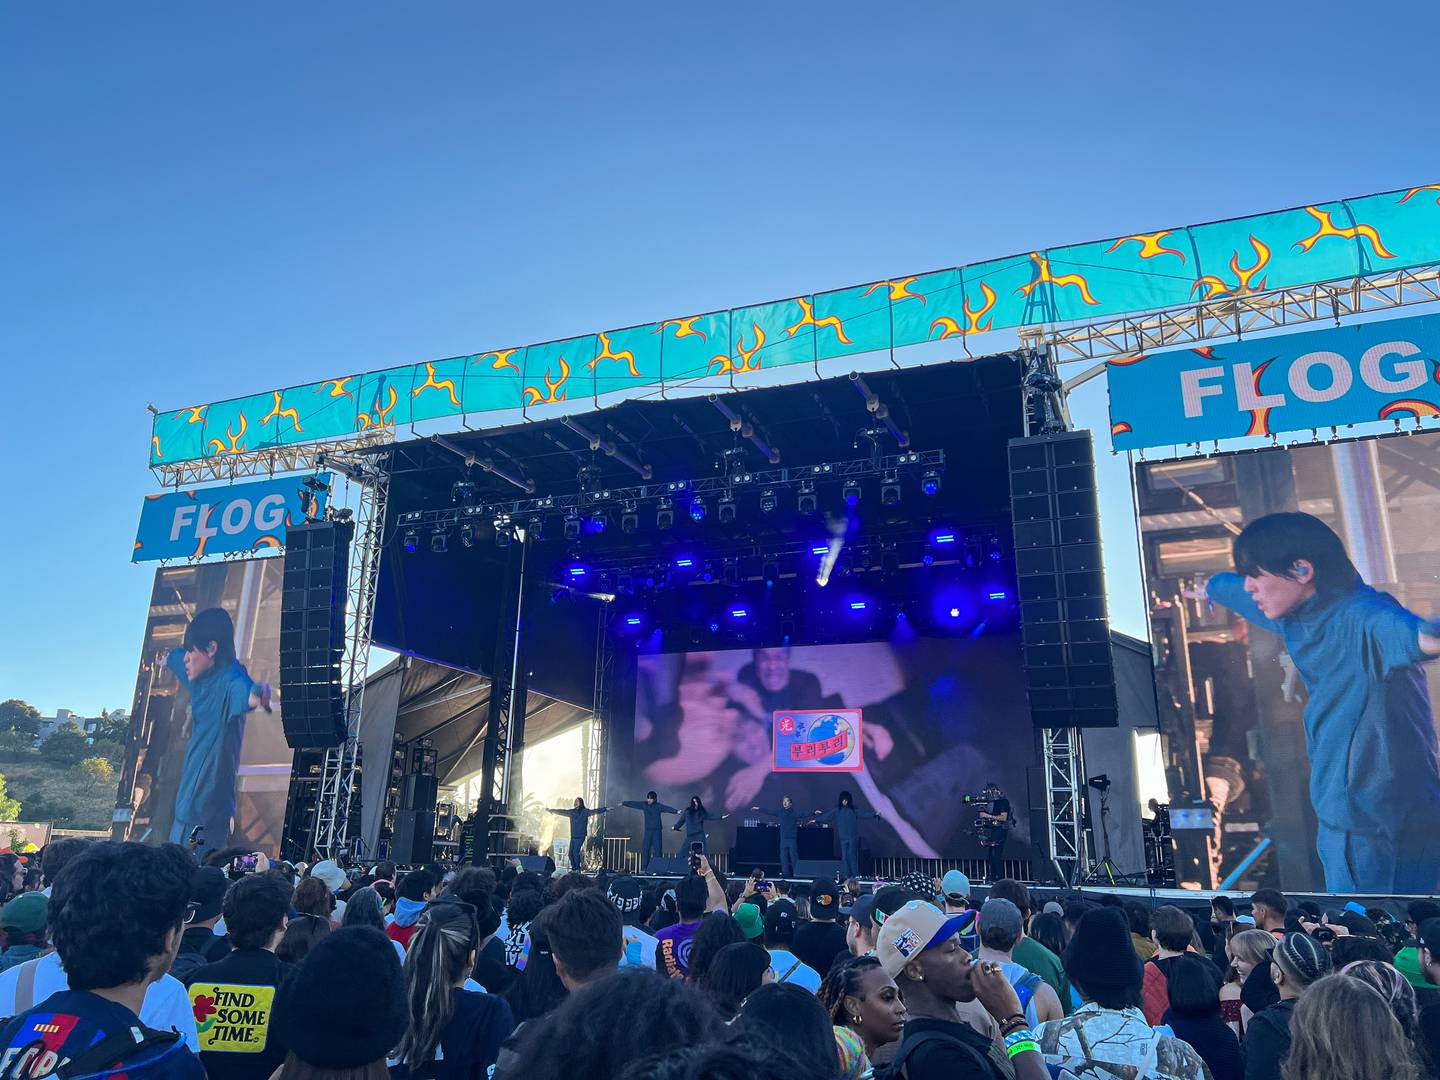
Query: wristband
point(1021, 1048)
point(1013, 1024)
point(1023, 1035)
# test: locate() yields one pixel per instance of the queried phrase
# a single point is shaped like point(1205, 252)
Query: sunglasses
point(192, 909)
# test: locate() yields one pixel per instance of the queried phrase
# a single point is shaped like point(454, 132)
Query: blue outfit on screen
point(1374, 760)
point(219, 701)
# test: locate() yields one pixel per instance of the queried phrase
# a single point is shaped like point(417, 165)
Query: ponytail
point(435, 964)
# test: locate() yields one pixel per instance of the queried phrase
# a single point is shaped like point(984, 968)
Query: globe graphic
point(828, 727)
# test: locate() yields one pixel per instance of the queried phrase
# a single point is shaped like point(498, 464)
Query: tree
point(14, 742)
point(20, 715)
point(66, 746)
point(112, 752)
point(9, 807)
point(114, 726)
point(98, 770)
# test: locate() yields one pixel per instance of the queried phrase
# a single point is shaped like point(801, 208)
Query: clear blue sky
point(204, 200)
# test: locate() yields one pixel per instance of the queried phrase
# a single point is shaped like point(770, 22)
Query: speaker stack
point(312, 633)
point(1069, 672)
point(414, 838)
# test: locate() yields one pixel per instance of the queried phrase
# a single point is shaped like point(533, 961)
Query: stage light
point(684, 562)
point(890, 490)
point(572, 526)
point(697, 509)
point(767, 501)
point(806, 503)
point(439, 541)
point(819, 549)
point(665, 513)
point(997, 594)
point(944, 536)
point(739, 613)
point(629, 519)
point(954, 613)
point(576, 570)
point(851, 492)
point(597, 523)
point(411, 540)
point(858, 605)
point(930, 482)
point(463, 491)
point(535, 529)
point(632, 620)
point(503, 536)
point(467, 536)
point(770, 572)
point(994, 550)
point(927, 559)
point(725, 509)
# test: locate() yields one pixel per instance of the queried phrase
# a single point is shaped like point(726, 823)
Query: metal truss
point(1235, 316)
point(340, 773)
point(1064, 779)
point(268, 460)
point(505, 721)
point(592, 736)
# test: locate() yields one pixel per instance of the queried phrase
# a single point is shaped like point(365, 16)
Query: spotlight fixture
point(411, 540)
point(731, 573)
point(572, 526)
point(806, 503)
point(851, 492)
point(629, 519)
point(665, 513)
point(314, 483)
point(503, 537)
point(767, 501)
point(725, 509)
point(890, 490)
point(439, 541)
point(467, 536)
point(462, 492)
point(994, 549)
point(697, 509)
point(535, 529)
point(770, 571)
point(598, 522)
point(930, 482)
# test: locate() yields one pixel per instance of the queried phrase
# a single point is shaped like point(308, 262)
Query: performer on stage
point(846, 820)
point(579, 826)
point(650, 844)
point(996, 823)
point(692, 819)
point(472, 832)
point(221, 693)
point(790, 820)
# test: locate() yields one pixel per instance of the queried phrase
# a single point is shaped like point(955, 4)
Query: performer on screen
point(790, 820)
point(846, 820)
point(651, 846)
point(996, 822)
point(692, 819)
point(579, 817)
point(1374, 762)
point(221, 694)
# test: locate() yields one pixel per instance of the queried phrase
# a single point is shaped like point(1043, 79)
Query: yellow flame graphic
point(277, 413)
point(337, 387)
point(381, 416)
point(155, 445)
point(1416, 191)
point(1060, 281)
point(972, 317)
point(625, 356)
point(197, 413)
point(729, 366)
point(1150, 246)
point(1120, 428)
point(501, 359)
point(554, 389)
point(950, 326)
point(1329, 228)
point(808, 319)
point(899, 290)
point(1260, 418)
point(232, 443)
point(1244, 277)
point(430, 383)
point(683, 327)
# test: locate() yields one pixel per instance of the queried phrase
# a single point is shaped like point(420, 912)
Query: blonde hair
point(1252, 946)
point(1343, 1029)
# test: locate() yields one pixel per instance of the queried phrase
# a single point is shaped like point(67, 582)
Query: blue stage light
point(632, 620)
point(819, 549)
point(930, 482)
point(739, 613)
point(697, 509)
point(944, 537)
point(577, 571)
point(997, 594)
point(858, 605)
point(684, 562)
point(954, 613)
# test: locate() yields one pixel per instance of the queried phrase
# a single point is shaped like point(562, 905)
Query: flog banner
point(818, 740)
point(217, 520)
point(1291, 382)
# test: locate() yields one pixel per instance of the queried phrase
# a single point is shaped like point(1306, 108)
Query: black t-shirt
point(1430, 1030)
point(471, 1041)
point(236, 995)
point(818, 943)
point(962, 1054)
point(997, 807)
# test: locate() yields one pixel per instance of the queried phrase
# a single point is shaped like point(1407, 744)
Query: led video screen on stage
point(908, 728)
point(1290, 589)
point(202, 749)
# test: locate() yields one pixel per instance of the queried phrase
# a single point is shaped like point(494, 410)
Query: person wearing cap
point(819, 941)
point(200, 945)
point(1108, 1035)
point(1428, 961)
point(1407, 959)
point(861, 928)
point(789, 819)
point(918, 947)
point(1296, 962)
point(23, 920)
point(627, 896)
point(1001, 928)
point(778, 938)
point(751, 921)
point(651, 810)
point(1028, 952)
point(954, 892)
point(335, 879)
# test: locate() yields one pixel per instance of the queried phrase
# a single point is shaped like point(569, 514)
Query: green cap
point(26, 913)
point(750, 920)
point(1407, 962)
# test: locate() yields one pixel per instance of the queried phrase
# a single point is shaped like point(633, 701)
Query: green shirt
point(1029, 953)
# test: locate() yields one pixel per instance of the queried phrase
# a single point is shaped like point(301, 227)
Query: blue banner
point(220, 520)
point(1292, 382)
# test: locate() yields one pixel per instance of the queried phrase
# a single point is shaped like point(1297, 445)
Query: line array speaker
point(312, 633)
point(1069, 672)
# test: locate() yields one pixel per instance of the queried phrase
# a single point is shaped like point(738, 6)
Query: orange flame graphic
point(729, 366)
point(1260, 418)
point(1121, 428)
point(1415, 406)
point(624, 355)
point(501, 361)
point(266, 541)
point(381, 416)
point(205, 531)
point(554, 392)
point(1416, 191)
point(234, 445)
point(197, 413)
point(1207, 351)
point(1150, 246)
point(1329, 228)
point(277, 414)
point(683, 327)
point(1215, 286)
point(899, 290)
point(155, 445)
point(951, 327)
point(337, 387)
point(808, 319)
point(430, 383)
point(1043, 275)
point(1125, 361)
point(973, 316)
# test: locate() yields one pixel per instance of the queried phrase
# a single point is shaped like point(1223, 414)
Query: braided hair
point(844, 978)
point(440, 956)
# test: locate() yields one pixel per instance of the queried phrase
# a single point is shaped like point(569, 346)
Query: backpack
point(1025, 989)
point(895, 1069)
point(109, 1055)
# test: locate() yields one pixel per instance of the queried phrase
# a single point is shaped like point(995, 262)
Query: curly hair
point(715, 931)
point(720, 1061)
point(313, 897)
point(255, 908)
point(113, 909)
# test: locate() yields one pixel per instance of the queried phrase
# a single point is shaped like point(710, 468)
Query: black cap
point(374, 1013)
point(824, 900)
point(1430, 935)
point(207, 891)
point(780, 921)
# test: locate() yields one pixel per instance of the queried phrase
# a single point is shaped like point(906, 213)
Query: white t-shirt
point(166, 1006)
point(639, 949)
point(782, 961)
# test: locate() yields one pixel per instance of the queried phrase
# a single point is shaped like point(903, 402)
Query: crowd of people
point(131, 961)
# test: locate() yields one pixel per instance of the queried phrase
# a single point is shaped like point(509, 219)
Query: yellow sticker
point(232, 1019)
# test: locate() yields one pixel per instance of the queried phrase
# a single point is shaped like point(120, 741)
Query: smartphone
point(697, 848)
point(762, 884)
point(246, 864)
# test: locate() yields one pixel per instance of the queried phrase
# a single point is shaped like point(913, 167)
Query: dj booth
point(759, 846)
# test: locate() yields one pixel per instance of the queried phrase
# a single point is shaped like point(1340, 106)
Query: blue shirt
point(66, 1024)
point(652, 812)
point(1368, 725)
point(218, 704)
point(789, 818)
